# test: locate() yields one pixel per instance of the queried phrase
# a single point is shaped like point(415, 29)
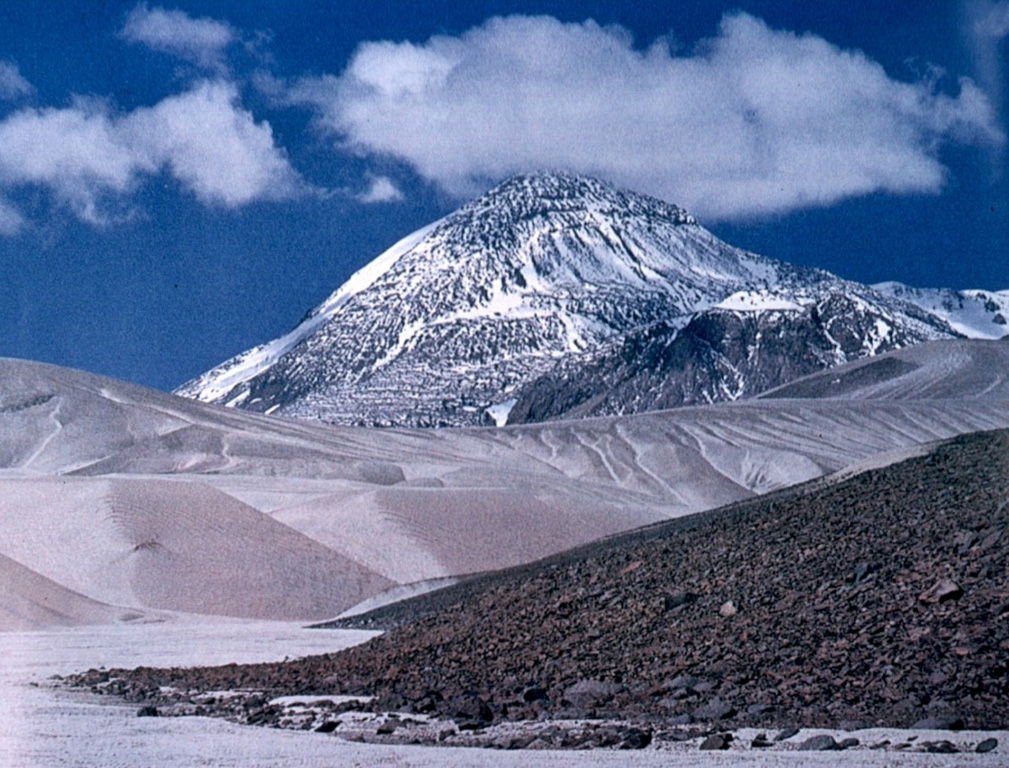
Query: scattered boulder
point(428, 702)
point(760, 741)
point(988, 745)
point(148, 711)
point(717, 741)
point(822, 743)
point(942, 591)
point(676, 599)
point(471, 710)
point(634, 738)
point(850, 725)
point(682, 682)
point(786, 733)
point(940, 723)
point(715, 709)
point(534, 693)
point(728, 609)
point(586, 694)
point(941, 747)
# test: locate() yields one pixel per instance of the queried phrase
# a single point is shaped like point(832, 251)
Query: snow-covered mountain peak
point(545, 233)
point(453, 320)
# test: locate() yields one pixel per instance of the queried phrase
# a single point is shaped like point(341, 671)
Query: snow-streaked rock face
point(743, 346)
point(542, 274)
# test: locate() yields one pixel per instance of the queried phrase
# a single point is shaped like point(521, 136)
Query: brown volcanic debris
point(845, 613)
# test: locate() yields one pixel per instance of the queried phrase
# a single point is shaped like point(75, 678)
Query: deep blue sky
point(136, 242)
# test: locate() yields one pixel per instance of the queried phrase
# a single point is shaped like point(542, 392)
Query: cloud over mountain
point(91, 157)
point(751, 122)
point(755, 121)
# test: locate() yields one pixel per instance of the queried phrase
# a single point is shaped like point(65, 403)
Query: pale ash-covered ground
point(117, 501)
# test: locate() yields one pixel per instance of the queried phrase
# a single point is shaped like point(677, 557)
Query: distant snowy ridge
point(975, 314)
point(543, 276)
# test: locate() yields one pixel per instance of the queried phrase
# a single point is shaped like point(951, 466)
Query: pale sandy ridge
point(146, 501)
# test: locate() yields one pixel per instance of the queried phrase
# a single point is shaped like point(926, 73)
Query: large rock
point(822, 743)
point(942, 591)
point(587, 694)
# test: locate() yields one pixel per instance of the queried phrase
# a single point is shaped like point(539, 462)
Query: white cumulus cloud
point(89, 157)
point(12, 84)
point(756, 121)
point(211, 145)
point(199, 41)
point(77, 152)
point(381, 190)
point(11, 220)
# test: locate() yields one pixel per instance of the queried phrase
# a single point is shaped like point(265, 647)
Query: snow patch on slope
point(365, 277)
point(759, 301)
point(499, 413)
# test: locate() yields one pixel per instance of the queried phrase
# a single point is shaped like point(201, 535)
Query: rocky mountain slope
point(566, 295)
point(732, 351)
point(877, 599)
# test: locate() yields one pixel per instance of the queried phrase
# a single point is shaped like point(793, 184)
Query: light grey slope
point(173, 545)
point(32, 602)
point(693, 454)
point(976, 314)
point(940, 370)
point(57, 420)
point(142, 499)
